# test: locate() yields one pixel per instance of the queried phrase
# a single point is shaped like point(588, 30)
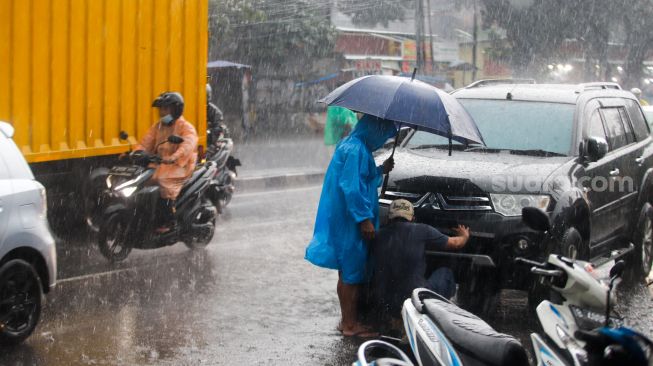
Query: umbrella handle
point(387, 176)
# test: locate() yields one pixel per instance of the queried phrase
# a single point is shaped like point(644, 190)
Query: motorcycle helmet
point(209, 93)
point(174, 100)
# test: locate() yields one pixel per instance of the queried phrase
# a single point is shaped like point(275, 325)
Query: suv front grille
point(440, 201)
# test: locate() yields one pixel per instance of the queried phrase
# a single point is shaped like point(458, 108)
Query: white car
point(28, 259)
point(648, 113)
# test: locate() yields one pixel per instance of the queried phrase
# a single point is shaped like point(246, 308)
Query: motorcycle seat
point(473, 337)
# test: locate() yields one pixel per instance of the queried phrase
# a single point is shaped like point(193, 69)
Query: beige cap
point(401, 208)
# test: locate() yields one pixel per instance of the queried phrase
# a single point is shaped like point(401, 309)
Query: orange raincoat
point(171, 177)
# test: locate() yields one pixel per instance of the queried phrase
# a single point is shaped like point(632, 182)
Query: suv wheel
point(20, 304)
point(572, 245)
point(479, 294)
point(642, 257)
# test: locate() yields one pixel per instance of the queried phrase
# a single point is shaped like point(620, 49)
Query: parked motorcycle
point(219, 152)
point(579, 327)
point(125, 212)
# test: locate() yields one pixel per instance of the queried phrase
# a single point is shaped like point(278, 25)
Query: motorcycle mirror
point(123, 135)
point(174, 139)
point(618, 269)
point(535, 219)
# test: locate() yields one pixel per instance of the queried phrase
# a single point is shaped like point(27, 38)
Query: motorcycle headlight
point(128, 191)
point(512, 204)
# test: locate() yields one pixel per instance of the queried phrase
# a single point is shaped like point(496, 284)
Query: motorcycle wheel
point(20, 308)
point(201, 240)
point(112, 239)
point(226, 198)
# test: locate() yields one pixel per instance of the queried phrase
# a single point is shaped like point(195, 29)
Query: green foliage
point(270, 34)
point(371, 13)
point(537, 28)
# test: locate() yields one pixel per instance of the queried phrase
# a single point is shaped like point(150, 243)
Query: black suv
point(583, 153)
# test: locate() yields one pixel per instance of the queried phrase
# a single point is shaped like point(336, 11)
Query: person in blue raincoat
point(348, 214)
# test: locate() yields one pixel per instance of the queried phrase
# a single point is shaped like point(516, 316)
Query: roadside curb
point(259, 183)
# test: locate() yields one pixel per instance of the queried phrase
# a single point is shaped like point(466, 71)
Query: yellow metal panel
point(5, 59)
point(75, 72)
point(78, 72)
point(95, 75)
point(202, 61)
point(59, 110)
point(144, 77)
point(22, 72)
point(40, 86)
point(190, 60)
point(128, 67)
point(112, 57)
point(176, 46)
point(162, 52)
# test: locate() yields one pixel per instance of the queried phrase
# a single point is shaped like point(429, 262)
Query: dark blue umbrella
point(408, 102)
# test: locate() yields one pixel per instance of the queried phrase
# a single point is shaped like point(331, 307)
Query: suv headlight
point(512, 204)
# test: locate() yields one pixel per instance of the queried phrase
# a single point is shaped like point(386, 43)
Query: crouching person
point(399, 259)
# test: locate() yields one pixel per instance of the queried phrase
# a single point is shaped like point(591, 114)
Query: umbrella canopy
point(409, 102)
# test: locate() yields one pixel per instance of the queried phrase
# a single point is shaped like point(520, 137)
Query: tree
point(535, 30)
point(285, 36)
point(370, 14)
point(637, 22)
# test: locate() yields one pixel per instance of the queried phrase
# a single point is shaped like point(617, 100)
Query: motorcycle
point(579, 327)
point(219, 152)
point(125, 210)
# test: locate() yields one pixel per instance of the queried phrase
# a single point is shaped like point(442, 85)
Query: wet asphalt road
point(248, 298)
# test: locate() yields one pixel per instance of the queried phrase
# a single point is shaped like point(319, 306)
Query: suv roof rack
point(599, 85)
point(488, 82)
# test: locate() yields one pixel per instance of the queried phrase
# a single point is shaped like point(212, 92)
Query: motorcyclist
point(214, 117)
point(177, 160)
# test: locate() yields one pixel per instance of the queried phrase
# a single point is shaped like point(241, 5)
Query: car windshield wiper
point(482, 148)
point(536, 152)
point(437, 146)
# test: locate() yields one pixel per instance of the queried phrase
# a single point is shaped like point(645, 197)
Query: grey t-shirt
point(399, 261)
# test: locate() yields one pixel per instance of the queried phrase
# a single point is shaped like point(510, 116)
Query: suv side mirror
point(123, 135)
point(535, 219)
point(174, 139)
point(597, 147)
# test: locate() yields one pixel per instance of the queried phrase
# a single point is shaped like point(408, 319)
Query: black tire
point(20, 301)
point(642, 257)
point(479, 294)
point(226, 198)
point(112, 238)
point(572, 245)
point(199, 240)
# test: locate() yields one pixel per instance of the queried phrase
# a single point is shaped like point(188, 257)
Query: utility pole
point(419, 31)
point(428, 10)
point(474, 42)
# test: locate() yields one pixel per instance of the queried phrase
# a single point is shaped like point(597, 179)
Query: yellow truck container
point(74, 73)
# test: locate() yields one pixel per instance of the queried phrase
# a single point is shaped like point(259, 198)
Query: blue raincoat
point(349, 197)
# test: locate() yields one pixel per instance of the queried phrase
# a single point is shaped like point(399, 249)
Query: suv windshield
point(529, 127)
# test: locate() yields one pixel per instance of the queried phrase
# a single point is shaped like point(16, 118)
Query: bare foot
point(360, 331)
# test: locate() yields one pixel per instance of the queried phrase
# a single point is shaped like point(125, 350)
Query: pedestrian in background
point(638, 94)
point(348, 215)
point(339, 122)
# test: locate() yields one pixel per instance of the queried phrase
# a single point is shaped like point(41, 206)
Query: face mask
point(167, 119)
